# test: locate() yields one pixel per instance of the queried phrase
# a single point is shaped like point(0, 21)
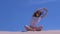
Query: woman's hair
point(37, 12)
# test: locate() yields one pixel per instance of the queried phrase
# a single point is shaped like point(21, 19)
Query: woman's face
point(37, 14)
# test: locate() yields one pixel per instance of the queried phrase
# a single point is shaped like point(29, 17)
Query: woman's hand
point(45, 9)
point(45, 13)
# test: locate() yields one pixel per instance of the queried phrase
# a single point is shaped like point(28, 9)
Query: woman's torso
point(35, 21)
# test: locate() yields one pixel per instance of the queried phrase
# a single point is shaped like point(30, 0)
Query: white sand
point(31, 32)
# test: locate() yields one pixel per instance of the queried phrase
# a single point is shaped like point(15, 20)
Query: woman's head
point(37, 13)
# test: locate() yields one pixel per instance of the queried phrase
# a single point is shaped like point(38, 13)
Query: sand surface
point(31, 32)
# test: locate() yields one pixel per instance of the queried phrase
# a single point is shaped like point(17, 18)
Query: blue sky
point(14, 14)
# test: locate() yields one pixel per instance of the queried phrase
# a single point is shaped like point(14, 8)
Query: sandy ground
point(31, 32)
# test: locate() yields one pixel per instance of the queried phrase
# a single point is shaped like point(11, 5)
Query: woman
point(36, 18)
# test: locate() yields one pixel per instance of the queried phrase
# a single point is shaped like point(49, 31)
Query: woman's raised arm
point(45, 13)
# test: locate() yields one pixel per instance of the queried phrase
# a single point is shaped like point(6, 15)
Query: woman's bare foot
point(39, 28)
